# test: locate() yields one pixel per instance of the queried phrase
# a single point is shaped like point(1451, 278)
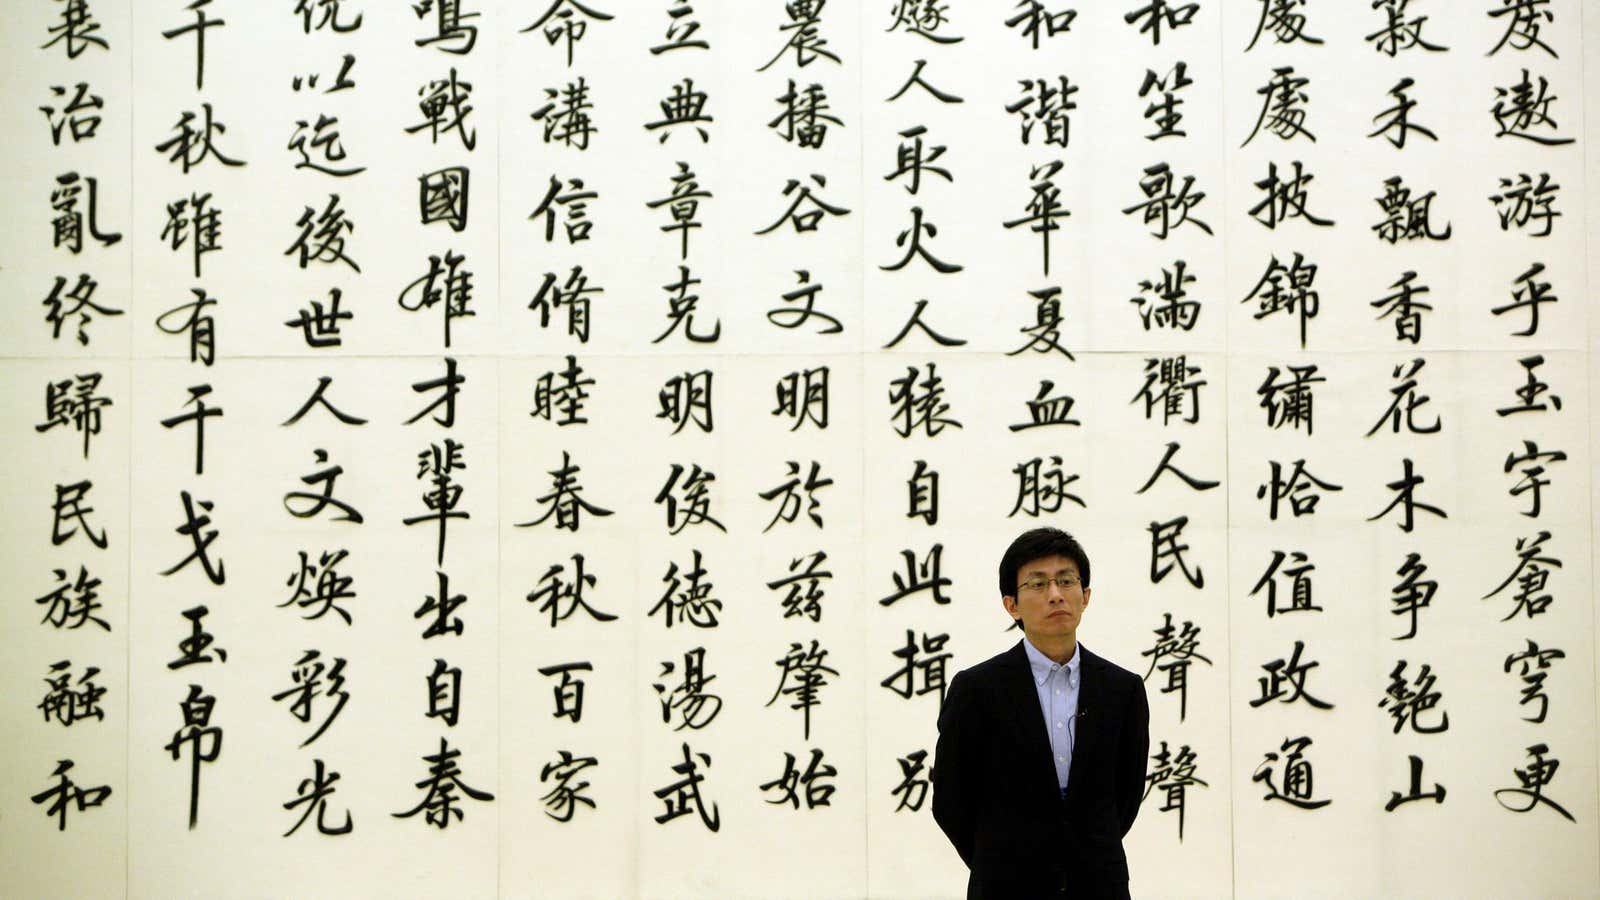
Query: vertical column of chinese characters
point(1288, 468)
point(571, 141)
point(564, 118)
point(76, 48)
point(447, 53)
point(1045, 158)
point(923, 139)
point(325, 99)
point(1412, 414)
point(690, 499)
point(64, 362)
point(193, 157)
point(1531, 584)
point(1162, 277)
point(807, 508)
point(802, 114)
point(456, 80)
point(324, 425)
point(449, 511)
point(683, 566)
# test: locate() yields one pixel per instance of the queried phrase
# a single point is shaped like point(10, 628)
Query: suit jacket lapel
point(1037, 766)
point(1091, 715)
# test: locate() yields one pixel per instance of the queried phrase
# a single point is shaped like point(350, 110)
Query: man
point(1042, 749)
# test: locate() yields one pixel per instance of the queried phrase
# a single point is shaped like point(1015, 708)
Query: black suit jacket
point(994, 783)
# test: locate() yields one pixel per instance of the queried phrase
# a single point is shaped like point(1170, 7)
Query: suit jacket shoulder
point(1110, 671)
point(998, 663)
point(1014, 657)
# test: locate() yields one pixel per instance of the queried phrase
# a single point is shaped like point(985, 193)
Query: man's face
point(1046, 609)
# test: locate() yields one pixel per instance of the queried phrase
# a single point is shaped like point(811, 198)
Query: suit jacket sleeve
point(955, 775)
point(1133, 755)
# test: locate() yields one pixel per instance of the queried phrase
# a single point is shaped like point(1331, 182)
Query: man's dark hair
point(1037, 544)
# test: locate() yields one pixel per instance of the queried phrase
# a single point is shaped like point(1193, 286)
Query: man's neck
point(1058, 649)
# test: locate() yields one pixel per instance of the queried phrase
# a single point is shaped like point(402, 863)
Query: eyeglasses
point(1065, 582)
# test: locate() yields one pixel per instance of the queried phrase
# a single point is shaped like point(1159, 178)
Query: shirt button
point(1058, 724)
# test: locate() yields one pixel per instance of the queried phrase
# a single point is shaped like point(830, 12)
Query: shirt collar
point(1042, 665)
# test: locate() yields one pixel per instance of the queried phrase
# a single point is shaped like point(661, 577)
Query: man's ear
point(1085, 596)
point(1010, 603)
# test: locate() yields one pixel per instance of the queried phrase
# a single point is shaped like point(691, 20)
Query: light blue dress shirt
point(1058, 701)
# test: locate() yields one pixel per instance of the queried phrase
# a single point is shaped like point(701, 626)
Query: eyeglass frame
point(1064, 582)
